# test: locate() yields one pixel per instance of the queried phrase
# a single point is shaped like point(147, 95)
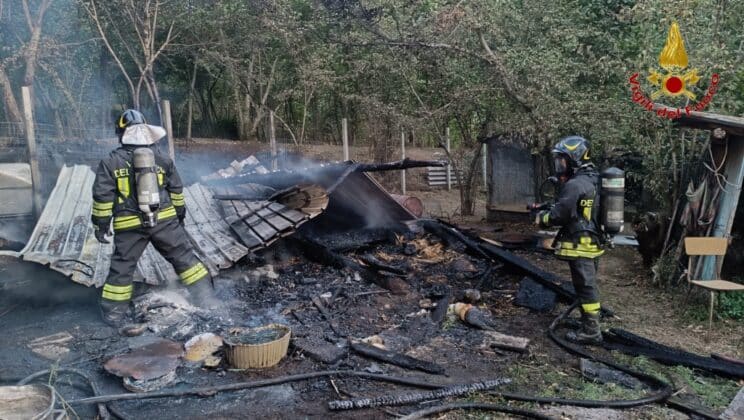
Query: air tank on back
point(148, 191)
point(612, 199)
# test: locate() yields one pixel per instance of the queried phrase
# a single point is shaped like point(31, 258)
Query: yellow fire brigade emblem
point(674, 81)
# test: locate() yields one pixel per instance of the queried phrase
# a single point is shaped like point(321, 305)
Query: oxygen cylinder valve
point(146, 180)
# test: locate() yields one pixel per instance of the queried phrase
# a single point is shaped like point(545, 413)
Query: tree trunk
point(11, 105)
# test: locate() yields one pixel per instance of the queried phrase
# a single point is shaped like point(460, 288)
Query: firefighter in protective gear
point(115, 200)
point(579, 240)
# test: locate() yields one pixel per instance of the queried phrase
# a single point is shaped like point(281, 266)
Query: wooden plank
point(345, 138)
point(28, 120)
point(169, 129)
point(735, 410)
point(721, 285)
point(705, 245)
point(506, 342)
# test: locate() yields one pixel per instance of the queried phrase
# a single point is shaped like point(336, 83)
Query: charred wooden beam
point(397, 359)
point(629, 343)
point(401, 164)
point(560, 286)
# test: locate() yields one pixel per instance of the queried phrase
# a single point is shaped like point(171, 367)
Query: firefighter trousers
point(584, 278)
point(170, 239)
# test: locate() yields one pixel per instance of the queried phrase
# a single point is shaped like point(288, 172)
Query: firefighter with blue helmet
point(140, 193)
point(579, 240)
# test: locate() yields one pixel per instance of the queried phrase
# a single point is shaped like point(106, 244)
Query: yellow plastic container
point(254, 356)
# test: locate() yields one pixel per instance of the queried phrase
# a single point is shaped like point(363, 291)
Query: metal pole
point(403, 156)
point(169, 128)
point(272, 141)
point(449, 167)
point(33, 160)
point(485, 166)
point(345, 138)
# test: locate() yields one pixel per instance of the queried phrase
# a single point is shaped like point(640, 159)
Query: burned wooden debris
point(397, 359)
point(603, 374)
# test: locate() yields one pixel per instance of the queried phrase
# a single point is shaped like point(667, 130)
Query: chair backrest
point(706, 246)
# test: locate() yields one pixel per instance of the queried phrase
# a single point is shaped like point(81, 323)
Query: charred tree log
point(416, 397)
point(397, 359)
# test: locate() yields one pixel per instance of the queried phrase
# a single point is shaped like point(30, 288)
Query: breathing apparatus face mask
point(560, 165)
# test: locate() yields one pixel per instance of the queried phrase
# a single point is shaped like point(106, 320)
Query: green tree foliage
point(526, 70)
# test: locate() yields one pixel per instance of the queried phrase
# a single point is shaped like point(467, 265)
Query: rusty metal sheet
point(64, 240)
point(148, 362)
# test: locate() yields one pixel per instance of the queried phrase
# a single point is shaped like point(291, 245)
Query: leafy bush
point(731, 305)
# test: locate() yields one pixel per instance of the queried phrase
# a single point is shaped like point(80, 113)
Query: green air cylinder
point(148, 191)
point(612, 200)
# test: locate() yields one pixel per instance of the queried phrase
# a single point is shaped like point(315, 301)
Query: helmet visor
point(560, 165)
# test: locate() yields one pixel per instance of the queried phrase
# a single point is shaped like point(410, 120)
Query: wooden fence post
point(403, 156)
point(485, 166)
point(169, 128)
point(449, 167)
point(345, 137)
point(33, 160)
point(272, 141)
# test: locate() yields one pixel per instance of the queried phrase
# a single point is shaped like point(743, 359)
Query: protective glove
point(101, 233)
point(539, 218)
point(181, 214)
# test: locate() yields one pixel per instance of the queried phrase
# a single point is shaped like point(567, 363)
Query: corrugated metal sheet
point(512, 175)
point(259, 223)
point(64, 240)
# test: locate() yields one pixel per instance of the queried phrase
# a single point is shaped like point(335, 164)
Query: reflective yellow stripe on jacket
point(177, 199)
point(584, 249)
point(133, 221)
point(102, 209)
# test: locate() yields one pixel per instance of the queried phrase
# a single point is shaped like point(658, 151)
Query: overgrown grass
point(731, 305)
point(552, 381)
point(713, 391)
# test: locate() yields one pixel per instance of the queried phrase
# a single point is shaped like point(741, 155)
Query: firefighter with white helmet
point(139, 192)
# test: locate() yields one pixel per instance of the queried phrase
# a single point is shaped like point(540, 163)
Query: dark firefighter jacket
point(576, 212)
point(115, 193)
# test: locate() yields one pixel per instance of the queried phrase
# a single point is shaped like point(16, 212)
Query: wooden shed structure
point(727, 145)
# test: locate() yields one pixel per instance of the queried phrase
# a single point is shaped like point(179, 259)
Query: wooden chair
point(713, 246)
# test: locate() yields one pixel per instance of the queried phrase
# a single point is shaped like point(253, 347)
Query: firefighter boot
point(115, 314)
point(589, 333)
point(202, 294)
